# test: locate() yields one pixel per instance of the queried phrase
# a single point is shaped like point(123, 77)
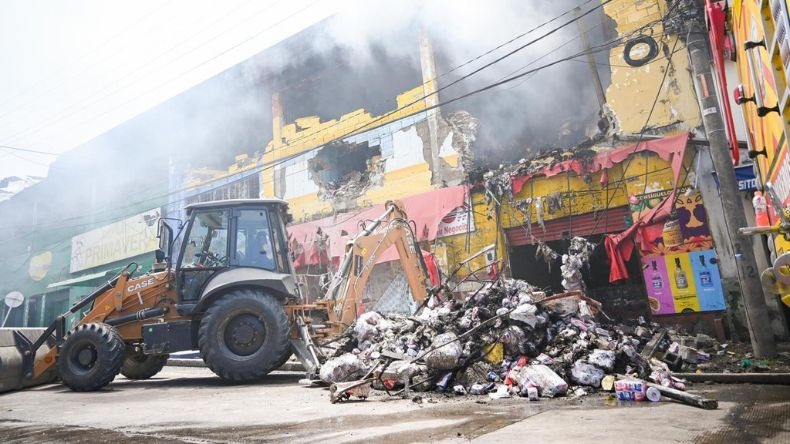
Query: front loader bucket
point(12, 356)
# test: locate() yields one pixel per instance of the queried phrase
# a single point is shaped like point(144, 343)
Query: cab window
point(207, 246)
point(254, 240)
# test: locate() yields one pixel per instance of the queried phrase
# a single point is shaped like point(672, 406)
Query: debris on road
point(508, 339)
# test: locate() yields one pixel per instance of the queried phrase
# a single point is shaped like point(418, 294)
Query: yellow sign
point(127, 238)
point(39, 265)
point(681, 280)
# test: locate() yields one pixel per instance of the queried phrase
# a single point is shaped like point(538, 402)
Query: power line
point(520, 48)
point(644, 129)
point(27, 150)
point(272, 164)
point(288, 158)
point(511, 40)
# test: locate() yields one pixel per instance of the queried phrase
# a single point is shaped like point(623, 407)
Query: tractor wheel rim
point(244, 334)
point(84, 357)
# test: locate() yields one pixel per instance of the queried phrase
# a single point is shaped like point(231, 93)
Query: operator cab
point(231, 234)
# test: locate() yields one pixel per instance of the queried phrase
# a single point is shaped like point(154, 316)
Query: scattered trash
point(652, 394)
point(630, 390)
point(501, 392)
point(509, 339)
point(549, 383)
point(607, 383)
point(586, 374)
point(344, 368)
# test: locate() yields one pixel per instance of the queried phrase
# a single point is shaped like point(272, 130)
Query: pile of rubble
point(506, 339)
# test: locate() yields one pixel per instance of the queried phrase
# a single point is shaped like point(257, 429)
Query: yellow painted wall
point(454, 249)
point(633, 89)
point(585, 198)
point(309, 132)
point(751, 21)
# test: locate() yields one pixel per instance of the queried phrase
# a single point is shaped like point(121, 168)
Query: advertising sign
point(123, 239)
point(659, 292)
point(682, 283)
point(707, 280)
point(458, 221)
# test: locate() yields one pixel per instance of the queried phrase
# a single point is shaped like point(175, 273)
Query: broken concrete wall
point(391, 161)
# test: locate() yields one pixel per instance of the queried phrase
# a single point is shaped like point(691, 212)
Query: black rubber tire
point(140, 366)
point(652, 50)
point(90, 357)
point(260, 320)
point(284, 359)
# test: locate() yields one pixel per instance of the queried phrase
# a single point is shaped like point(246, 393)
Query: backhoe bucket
point(12, 355)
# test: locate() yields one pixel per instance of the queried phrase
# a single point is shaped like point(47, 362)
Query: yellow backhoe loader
point(231, 294)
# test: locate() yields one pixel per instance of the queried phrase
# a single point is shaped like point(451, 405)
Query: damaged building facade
point(631, 192)
point(566, 185)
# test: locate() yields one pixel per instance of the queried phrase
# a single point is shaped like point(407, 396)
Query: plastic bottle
point(760, 210)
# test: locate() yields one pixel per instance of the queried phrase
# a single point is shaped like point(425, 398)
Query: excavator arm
point(391, 228)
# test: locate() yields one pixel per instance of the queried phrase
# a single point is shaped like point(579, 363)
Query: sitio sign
point(123, 239)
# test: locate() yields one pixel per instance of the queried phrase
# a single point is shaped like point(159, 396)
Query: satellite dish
point(14, 299)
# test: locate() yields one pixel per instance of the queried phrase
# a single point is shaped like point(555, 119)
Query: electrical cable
point(386, 115)
point(287, 158)
point(479, 69)
point(478, 57)
point(644, 129)
point(272, 164)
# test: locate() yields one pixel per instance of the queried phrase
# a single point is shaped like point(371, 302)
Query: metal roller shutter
point(610, 221)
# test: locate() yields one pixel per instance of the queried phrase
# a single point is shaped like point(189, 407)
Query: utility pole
point(760, 332)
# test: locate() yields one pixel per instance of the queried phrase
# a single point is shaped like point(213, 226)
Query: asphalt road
point(192, 405)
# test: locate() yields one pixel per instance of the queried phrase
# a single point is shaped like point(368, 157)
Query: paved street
point(191, 405)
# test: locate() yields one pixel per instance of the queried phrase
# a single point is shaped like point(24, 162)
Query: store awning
point(670, 149)
point(76, 280)
point(426, 210)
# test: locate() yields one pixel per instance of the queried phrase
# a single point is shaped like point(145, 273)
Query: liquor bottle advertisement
point(659, 292)
point(707, 280)
point(682, 282)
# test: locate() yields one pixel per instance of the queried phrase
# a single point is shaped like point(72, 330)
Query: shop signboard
point(458, 221)
point(684, 277)
point(707, 280)
point(659, 293)
point(127, 238)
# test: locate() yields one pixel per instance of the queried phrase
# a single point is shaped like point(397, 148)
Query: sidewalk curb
point(290, 366)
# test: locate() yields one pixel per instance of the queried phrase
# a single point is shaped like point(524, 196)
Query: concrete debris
point(500, 341)
point(344, 368)
point(446, 353)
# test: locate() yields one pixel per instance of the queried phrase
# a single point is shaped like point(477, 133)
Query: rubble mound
point(505, 339)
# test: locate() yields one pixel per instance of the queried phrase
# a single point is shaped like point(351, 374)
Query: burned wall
point(345, 171)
